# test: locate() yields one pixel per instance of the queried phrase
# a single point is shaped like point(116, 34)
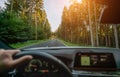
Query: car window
point(90, 23)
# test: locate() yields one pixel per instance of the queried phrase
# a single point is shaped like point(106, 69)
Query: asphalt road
point(50, 43)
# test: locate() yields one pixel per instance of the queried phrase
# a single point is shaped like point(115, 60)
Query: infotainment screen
point(94, 60)
point(85, 60)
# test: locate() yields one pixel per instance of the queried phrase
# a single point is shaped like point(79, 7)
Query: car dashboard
point(85, 62)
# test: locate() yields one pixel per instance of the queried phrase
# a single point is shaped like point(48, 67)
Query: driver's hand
point(7, 62)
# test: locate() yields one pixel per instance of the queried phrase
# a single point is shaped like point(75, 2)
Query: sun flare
point(80, 1)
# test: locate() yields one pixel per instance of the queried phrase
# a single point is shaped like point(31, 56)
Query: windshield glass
point(89, 23)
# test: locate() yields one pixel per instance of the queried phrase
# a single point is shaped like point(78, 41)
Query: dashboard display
point(40, 66)
point(34, 66)
point(37, 67)
point(94, 60)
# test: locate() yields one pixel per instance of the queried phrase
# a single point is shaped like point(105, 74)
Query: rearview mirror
point(111, 14)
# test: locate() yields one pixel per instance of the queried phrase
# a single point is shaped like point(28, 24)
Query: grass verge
point(27, 43)
point(73, 44)
point(69, 44)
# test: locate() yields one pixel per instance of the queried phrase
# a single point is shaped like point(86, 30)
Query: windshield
point(89, 23)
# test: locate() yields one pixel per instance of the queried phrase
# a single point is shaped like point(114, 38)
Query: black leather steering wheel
point(62, 71)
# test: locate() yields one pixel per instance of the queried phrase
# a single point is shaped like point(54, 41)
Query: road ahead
point(50, 43)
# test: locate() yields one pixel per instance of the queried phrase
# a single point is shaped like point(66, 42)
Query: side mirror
point(111, 15)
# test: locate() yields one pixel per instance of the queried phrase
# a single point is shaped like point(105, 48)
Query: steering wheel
point(42, 65)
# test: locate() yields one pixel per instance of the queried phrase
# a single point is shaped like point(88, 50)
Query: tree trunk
point(96, 29)
point(36, 33)
point(90, 24)
point(116, 36)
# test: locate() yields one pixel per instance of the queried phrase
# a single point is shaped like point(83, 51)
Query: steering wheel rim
point(49, 58)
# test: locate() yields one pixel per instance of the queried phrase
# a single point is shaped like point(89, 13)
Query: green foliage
point(12, 28)
point(18, 22)
point(75, 26)
point(27, 43)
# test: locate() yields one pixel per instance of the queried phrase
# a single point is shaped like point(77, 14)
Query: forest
point(22, 20)
point(81, 25)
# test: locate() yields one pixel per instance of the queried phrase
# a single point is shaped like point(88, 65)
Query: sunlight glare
point(80, 1)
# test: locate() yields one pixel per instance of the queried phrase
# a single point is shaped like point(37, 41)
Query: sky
point(2, 3)
point(53, 9)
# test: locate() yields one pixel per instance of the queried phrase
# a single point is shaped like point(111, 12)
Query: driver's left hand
point(7, 62)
